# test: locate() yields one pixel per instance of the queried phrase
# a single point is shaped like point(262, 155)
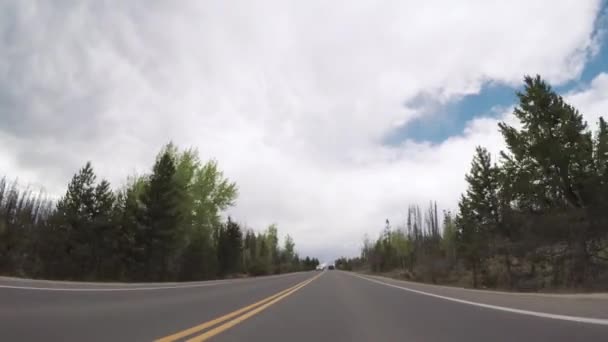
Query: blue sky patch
point(451, 119)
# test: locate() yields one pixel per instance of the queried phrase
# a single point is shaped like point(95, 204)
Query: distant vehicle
point(331, 267)
point(319, 268)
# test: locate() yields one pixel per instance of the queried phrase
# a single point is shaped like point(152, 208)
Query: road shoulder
point(580, 305)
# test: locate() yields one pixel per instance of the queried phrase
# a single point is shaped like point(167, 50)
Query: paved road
point(313, 306)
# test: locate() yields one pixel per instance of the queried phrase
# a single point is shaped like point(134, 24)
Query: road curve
point(312, 306)
point(54, 311)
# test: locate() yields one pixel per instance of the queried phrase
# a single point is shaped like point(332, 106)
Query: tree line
point(534, 218)
point(166, 225)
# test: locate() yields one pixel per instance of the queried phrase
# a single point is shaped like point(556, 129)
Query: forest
point(166, 225)
point(533, 218)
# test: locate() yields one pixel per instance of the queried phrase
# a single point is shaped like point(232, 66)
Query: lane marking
point(197, 328)
point(588, 320)
point(217, 330)
point(103, 289)
point(181, 334)
point(592, 295)
point(143, 288)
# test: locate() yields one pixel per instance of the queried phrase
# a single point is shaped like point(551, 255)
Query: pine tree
point(551, 159)
point(600, 184)
point(199, 260)
point(8, 201)
point(601, 153)
point(448, 241)
point(249, 251)
point(230, 248)
point(162, 226)
point(75, 213)
point(273, 247)
point(161, 219)
point(553, 145)
point(105, 233)
point(470, 240)
point(479, 211)
point(263, 260)
point(483, 188)
point(130, 211)
point(288, 256)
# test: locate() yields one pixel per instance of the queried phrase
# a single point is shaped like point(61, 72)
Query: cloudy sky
point(331, 116)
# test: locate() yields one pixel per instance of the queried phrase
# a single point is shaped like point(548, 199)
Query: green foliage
point(229, 246)
point(554, 147)
point(262, 255)
point(84, 218)
point(288, 258)
point(272, 243)
point(449, 238)
point(410, 249)
point(349, 264)
point(166, 225)
point(161, 218)
point(538, 219)
point(21, 214)
point(198, 259)
point(309, 264)
point(479, 211)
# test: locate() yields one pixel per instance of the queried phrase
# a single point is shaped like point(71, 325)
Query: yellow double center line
point(234, 317)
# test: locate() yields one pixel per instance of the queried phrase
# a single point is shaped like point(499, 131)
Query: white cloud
point(292, 98)
point(592, 101)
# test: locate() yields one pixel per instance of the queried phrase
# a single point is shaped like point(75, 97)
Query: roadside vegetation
point(163, 226)
point(535, 217)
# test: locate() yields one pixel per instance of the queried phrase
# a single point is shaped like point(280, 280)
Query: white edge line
point(587, 320)
point(66, 289)
point(102, 289)
point(140, 284)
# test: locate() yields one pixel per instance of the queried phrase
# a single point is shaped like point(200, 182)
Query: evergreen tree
point(448, 241)
point(105, 233)
point(553, 145)
point(199, 262)
point(162, 226)
point(289, 262)
point(273, 247)
point(479, 211)
point(229, 249)
point(75, 212)
point(553, 153)
point(161, 236)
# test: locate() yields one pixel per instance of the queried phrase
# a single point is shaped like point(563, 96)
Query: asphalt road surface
point(312, 306)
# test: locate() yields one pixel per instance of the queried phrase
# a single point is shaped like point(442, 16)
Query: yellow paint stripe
point(181, 334)
point(217, 330)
